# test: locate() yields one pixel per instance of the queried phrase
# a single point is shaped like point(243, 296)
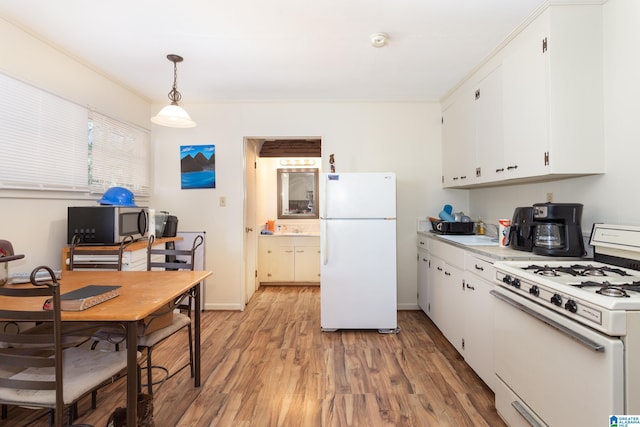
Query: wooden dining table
point(141, 294)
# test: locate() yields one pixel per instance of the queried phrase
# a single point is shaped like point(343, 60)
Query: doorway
point(254, 149)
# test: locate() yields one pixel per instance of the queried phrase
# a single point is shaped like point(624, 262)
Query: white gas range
point(568, 334)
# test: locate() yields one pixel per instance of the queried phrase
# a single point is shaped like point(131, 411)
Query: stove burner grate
point(609, 290)
point(542, 271)
point(612, 291)
point(575, 270)
point(590, 270)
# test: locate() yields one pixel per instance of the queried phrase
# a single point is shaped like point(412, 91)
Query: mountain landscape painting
point(197, 166)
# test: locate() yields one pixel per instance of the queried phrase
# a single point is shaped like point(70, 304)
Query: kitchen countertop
point(495, 252)
point(301, 234)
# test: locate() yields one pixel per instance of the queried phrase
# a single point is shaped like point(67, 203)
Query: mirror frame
point(314, 214)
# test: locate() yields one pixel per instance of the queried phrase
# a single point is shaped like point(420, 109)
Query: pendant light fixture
point(174, 115)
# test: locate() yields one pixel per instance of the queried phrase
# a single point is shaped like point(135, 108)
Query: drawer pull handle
point(479, 267)
point(446, 273)
point(470, 287)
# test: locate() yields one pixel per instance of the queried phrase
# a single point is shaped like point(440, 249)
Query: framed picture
point(197, 166)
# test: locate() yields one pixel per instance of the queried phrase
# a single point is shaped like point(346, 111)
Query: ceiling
point(286, 50)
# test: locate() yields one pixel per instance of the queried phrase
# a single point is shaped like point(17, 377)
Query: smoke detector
point(379, 39)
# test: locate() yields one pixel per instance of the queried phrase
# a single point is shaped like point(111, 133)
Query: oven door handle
point(576, 336)
point(524, 414)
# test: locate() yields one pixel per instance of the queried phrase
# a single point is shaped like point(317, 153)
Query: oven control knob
point(556, 299)
point(534, 290)
point(571, 306)
point(506, 279)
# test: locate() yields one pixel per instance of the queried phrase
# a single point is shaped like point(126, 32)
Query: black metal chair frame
point(171, 261)
point(44, 350)
point(88, 250)
point(110, 334)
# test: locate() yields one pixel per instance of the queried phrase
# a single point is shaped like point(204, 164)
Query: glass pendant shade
point(174, 116)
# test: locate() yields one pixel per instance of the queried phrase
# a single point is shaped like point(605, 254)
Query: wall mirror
point(297, 193)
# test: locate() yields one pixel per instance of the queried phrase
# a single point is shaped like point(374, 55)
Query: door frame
point(250, 282)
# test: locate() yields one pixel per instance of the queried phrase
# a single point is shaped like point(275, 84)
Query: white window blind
point(43, 139)
point(119, 156)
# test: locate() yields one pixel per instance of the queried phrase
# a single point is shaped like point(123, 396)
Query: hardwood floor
point(270, 365)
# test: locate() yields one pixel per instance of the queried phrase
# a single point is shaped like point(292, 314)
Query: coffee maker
point(521, 230)
point(557, 230)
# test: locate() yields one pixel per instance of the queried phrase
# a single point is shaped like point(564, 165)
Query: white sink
point(472, 240)
point(301, 233)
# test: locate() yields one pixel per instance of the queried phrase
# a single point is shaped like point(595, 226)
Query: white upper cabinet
point(547, 122)
point(458, 137)
point(489, 128)
point(472, 132)
point(525, 102)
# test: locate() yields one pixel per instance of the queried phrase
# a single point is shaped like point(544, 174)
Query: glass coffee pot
point(549, 235)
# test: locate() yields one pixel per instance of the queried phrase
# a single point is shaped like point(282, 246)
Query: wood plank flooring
point(270, 365)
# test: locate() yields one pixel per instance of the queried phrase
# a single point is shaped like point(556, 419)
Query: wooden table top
point(141, 293)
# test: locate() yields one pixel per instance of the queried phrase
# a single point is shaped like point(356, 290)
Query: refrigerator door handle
point(323, 242)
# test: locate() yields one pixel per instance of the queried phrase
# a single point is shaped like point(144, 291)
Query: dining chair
point(37, 370)
point(91, 257)
point(170, 258)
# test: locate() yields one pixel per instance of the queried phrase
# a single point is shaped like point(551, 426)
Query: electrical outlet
point(223, 201)
point(549, 197)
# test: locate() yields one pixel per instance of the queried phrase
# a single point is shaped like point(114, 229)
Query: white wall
point(376, 137)
point(37, 226)
point(611, 197)
point(404, 138)
point(34, 61)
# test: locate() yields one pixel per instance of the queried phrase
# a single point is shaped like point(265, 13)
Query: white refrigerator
point(358, 270)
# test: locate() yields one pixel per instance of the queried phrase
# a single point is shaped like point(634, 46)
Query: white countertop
point(496, 252)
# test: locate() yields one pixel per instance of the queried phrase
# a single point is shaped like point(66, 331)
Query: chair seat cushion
point(180, 320)
point(83, 370)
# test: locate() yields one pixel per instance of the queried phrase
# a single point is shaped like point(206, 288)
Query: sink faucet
point(494, 230)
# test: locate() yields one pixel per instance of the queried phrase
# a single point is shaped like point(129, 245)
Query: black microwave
point(105, 224)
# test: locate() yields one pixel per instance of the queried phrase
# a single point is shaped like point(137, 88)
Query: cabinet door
point(424, 297)
point(478, 327)
point(446, 301)
point(524, 77)
point(277, 263)
point(489, 128)
point(458, 142)
point(307, 263)
point(283, 269)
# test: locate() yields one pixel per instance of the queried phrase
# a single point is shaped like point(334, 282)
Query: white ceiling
point(307, 50)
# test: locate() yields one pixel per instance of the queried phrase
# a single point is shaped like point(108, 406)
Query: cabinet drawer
point(452, 255)
point(480, 266)
point(422, 242)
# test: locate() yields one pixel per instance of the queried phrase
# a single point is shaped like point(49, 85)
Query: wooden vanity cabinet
point(289, 259)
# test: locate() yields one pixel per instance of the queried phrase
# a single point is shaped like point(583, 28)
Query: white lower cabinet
point(289, 259)
point(453, 290)
point(478, 317)
point(446, 274)
point(424, 293)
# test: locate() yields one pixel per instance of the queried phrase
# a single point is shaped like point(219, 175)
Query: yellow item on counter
point(480, 227)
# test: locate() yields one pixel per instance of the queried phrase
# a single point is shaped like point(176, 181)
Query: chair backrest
point(24, 351)
point(169, 259)
point(96, 258)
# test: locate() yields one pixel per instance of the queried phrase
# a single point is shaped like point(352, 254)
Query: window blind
point(119, 155)
point(43, 139)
